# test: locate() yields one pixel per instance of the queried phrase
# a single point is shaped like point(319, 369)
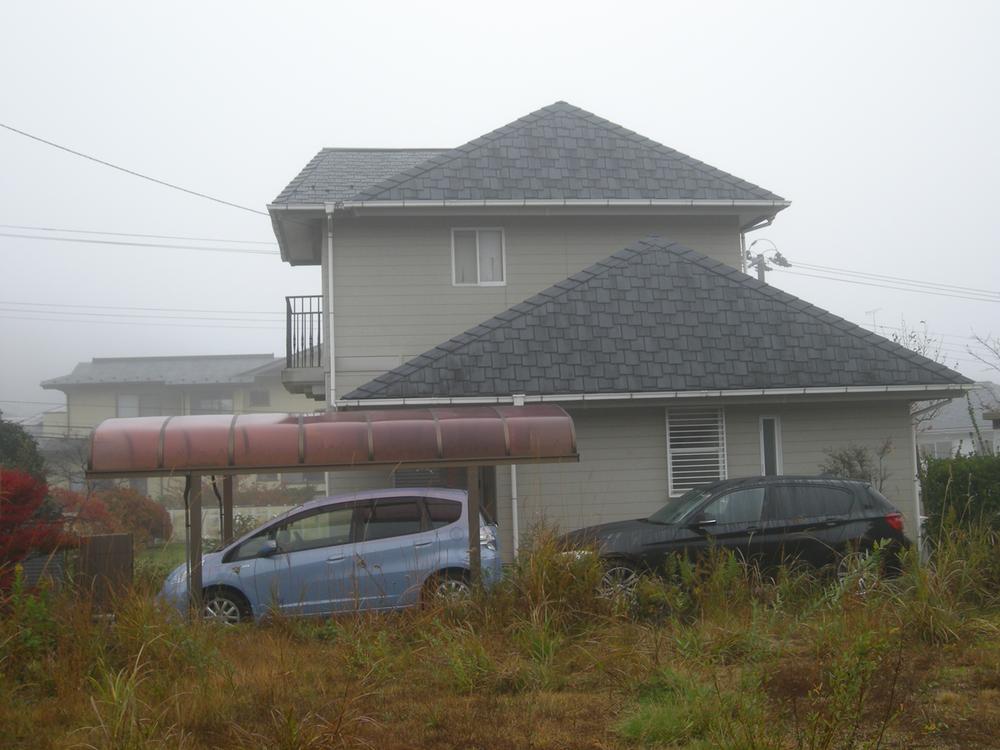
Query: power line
point(132, 171)
point(158, 309)
point(130, 315)
point(899, 279)
point(130, 323)
point(133, 234)
point(887, 286)
point(139, 244)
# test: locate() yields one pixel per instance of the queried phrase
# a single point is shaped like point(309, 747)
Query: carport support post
point(194, 544)
point(227, 509)
point(475, 553)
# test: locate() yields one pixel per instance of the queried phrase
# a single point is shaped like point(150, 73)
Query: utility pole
point(760, 260)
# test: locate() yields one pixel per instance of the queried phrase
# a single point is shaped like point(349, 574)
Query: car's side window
point(389, 517)
point(740, 506)
point(326, 528)
point(442, 512)
point(790, 502)
point(252, 547)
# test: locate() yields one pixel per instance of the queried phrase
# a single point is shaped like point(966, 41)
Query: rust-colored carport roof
point(251, 443)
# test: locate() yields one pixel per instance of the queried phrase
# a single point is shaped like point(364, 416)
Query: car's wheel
point(619, 580)
point(225, 607)
point(448, 586)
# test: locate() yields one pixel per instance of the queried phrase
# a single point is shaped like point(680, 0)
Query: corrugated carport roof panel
point(249, 443)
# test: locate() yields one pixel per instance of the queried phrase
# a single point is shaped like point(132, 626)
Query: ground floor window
point(770, 446)
point(696, 447)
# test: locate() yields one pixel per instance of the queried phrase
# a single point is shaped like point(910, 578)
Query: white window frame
point(503, 255)
point(721, 447)
point(779, 464)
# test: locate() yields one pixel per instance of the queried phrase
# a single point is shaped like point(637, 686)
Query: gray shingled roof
point(657, 317)
point(559, 152)
point(336, 174)
point(210, 369)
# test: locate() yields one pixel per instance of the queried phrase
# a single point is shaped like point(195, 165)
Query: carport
point(224, 445)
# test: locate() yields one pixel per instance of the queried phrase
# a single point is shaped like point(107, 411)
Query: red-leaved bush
point(22, 531)
point(116, 510)
point(85, 515)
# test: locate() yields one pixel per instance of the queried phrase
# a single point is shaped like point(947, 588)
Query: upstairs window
point(696, 448)
point(477, 257)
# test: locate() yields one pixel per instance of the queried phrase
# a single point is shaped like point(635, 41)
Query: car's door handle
point(422, 544)
point(336, 558)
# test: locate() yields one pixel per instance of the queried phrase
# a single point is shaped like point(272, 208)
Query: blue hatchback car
point(381, 549)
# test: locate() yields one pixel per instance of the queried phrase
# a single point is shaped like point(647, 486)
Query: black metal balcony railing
point(304, 331)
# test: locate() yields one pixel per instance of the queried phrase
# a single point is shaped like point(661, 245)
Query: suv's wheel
point(450, 585)
point(619, 580)
point(225, 607)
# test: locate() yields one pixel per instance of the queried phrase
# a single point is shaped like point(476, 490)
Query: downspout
point(518, 400)
point(331, 381)
point(331, 391)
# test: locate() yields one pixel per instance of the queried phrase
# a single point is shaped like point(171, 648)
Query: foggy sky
point(878, 121)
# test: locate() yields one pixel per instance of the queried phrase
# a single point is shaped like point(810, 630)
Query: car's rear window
point(442, 512)
point(382, 519)
point(792, 501)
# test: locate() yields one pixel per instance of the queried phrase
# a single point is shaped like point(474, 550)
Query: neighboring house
point(951, 431)
point(495, 273)
point(109, 387)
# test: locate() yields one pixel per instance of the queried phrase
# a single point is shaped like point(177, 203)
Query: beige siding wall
point(393, 296)
point(623, 468)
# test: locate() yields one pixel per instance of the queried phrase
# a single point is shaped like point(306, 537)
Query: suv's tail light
point(895, 521)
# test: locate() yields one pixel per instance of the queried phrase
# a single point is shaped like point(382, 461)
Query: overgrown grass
point(709, 655)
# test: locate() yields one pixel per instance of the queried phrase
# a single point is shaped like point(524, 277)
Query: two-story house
point(564, 258)
point(109, 387)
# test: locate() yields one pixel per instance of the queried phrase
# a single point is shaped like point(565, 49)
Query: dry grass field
point(712, 656)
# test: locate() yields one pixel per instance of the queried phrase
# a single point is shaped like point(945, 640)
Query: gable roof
point(192, 370)
point(657, 317)
point(336, 174)
point(559, 152)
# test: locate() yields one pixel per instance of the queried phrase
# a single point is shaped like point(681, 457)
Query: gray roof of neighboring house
point(954, 416)
point(657, 317)
point(336, 174)
point(557, 152)
point(209, 369)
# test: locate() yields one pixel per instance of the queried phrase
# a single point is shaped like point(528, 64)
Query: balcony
point(304, 372)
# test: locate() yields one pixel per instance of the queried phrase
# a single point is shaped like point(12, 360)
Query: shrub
point(85, 515)
point(137, 514)
point(22, 529)
point(967, 488)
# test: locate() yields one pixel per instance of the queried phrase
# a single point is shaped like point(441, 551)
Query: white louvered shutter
point(696, 448)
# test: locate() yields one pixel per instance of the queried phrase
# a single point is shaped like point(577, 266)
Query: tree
point(22, 529)
point(18, 450)
point(919, 340)
point(855, 461)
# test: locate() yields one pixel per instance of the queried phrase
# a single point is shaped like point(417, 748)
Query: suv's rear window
point(791, 501)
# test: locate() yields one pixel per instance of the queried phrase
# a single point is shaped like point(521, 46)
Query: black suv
point(770, 520)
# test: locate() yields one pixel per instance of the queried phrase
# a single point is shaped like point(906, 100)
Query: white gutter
point(526, 202)
point(654, 395)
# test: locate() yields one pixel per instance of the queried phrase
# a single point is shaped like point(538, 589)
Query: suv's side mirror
point(270, 548)
point(700, 522)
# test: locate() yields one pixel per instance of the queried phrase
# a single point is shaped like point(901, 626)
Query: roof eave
point(913, 392)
